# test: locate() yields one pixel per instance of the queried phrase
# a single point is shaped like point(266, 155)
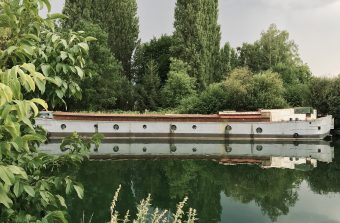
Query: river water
point(242, 183)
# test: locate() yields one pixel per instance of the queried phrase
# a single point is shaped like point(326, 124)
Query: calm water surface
point(220, 193)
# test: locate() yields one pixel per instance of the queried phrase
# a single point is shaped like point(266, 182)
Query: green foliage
point(106, 72)
point(267, 91)
point(149, 88)
point(228, 61)
point(275, 51)
point(325, 95)
point(118, 18)
point(240, 91)
point(36, 61)
point(178, 86)
point(157, 50)
point(197, 38)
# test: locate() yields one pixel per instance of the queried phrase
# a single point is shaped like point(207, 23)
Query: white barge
point(270, 125)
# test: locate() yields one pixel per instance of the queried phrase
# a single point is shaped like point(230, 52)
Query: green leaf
point(29, 190)
point(80, 72)
point(11, 49)
point(48, 4)
point(84, 46)
point(6, 176)
point(40, 102)
point(90, 39)
point(79, 190)
point(18, 171)
point(63, 55)
point(61, 201)
point(45, 68)
point(29, 67)
point(56, 216)
point(4, 199)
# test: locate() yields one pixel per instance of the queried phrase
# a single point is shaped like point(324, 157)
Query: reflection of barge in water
point(279, 155)
point(280, 124)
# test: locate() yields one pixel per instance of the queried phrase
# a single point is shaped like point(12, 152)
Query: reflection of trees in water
point(168, 181)
point(274, 190)
point(326, 178)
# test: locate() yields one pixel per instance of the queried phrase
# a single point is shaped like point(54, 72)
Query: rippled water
point(301, 190)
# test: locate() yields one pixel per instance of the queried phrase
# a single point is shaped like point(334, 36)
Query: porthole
point(173, 148)
point(259, 130)
point(144, 149)
point(116, 148)
point(319, 150)
point(194, 127)
point(259, 147)
point(63, 126)
point(194, 149)
point(296, 135)
point(96, 127)
point(116, 127)
point(228, 128)
point(145, 126)
point(319, 128)
point(228, 149)
point(173, 127)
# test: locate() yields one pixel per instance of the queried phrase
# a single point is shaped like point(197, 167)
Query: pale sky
point(313, 24)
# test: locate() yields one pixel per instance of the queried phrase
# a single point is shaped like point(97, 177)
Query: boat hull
point(195, 129)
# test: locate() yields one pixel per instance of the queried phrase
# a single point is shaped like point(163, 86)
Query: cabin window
point(173, 148)
point(194, 149)
point(319, 150)
point(319, 128)
point(116, 148)
point(96, 127)
point(228, 128)
point(144, 149)
point(145, 126)
point(63, 126)
point(259, 130)
point(259, 147)
point(116, 127)
point(194, 127)
point(173, 127)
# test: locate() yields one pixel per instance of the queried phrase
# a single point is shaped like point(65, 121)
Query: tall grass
point(146, 214)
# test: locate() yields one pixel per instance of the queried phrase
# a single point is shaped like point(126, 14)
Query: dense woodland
point(190, 71)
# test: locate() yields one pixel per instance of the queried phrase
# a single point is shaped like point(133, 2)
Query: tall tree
point(227, 61)
point(158, 50)
point(149, 88)
point(275, 51)
point(197, 38)
point(118, 18)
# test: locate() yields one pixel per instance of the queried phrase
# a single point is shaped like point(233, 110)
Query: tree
point(179, 84)
point(149, 88)
point(275, 51)
point(99, 89)
point(36, 61)
point(118, 18)
point(324, 95)
point(227, 62)
point(197, 38)
point(157, 50)
point(267, 91)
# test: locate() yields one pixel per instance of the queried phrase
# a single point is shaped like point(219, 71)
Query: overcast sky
point(313, 24)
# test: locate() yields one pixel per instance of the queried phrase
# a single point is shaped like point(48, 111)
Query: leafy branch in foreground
point(145, 212)
point(36, 61)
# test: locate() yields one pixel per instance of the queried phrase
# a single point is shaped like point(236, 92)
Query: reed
point(145, 213)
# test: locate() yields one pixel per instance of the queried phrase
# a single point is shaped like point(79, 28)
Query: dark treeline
point(189, 71)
